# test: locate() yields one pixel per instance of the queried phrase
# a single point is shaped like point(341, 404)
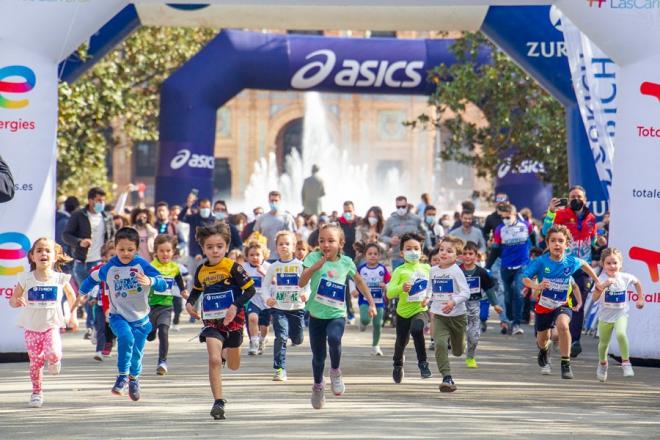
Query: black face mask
point(140, 222)
point(576, 205)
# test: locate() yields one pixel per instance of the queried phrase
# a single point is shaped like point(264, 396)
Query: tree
point(116, 102)
point(524, 122)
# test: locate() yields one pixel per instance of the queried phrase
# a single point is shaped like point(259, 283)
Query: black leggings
point(163, 342)
point(406, 327)
point(177, 303)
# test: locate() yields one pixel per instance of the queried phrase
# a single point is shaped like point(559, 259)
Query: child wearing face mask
point(409, 285)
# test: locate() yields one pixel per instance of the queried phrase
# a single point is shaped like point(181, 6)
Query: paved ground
point(505, 397)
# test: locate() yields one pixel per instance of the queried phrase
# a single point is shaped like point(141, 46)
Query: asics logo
point(185, 157)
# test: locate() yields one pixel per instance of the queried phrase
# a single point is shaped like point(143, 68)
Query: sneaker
point(542, 358)
point(447, 385)
point(161, 369)
point(151, 336)
point(280, 375)
point(218, 409)
point(484, 326)
point(88, 334)
point(397, 373)
point(547, 370)
point(98, 356)
point(504, 328)
point(424, 370)
point(261, 347)
point(432, 345)
point(350, 321)
point(120, 385)
point(337, 382)
point(601, 372)
point(376, 351)
point(107, 349)
point(566, 371)
point(134, 389)
point(517, 330)
point(363, 327)
point(627, 369)
point(253, 348)
point(54, 367)
point(176, 328)
point(576, 349)
point(318, 396)
point(471, 363)
point(36, 400)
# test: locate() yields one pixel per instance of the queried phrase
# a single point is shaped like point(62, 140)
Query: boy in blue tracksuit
point(129, 279)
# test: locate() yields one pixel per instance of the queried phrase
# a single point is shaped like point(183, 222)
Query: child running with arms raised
point(328, 270)
point(554, 303)
point(409, 285)
point(258, 315)
point(225, 288)
point(40, 292)
point(129, 278)
point(286, 299)
point(613, 311)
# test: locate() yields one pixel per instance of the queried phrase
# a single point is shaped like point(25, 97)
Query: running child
point(302, 249)
point(162, 303)
point(286, 300)
point(450, 291)
point(376, 276)
point(479, 283)
point(258, 314)
point(225, 288)
point(613, 311)
point(328, 269)
point(129, 278)
point(552, 289)
point(40, 291)
point(409, 285)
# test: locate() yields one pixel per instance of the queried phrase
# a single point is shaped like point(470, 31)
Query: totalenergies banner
point(28, 119)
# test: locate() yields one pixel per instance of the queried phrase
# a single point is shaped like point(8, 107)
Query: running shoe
point(471, 363)
point(176, 327)
point(261, 347)
point(337, 382)
point(627, 369)
point(107, 349)
point(88, 334)
point(397, 373)
point(280, 375)
point(432, 345)
point(504, 328)
point(218, 409)
point(362, 327)
point(98, 356)
point(253, 348)
point(120, 385)
point(36, 400)
point(542, 358)
point(376, 351)
point(134, 389)
point(484, 326)
point(447, 385)
point(546, 370)
point(517, 330)
point(54, 368)
point(424, 370)
point(601, 372)
point(161, 370)
point(318, 396)
point(566, 371)
point(576, 349)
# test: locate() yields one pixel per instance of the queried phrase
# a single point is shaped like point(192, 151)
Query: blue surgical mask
point(348, 216)
point(99, 207)
point(274, 206)
point(412, 256)
point(220, 215)
point(430, 219)
point(205, 212)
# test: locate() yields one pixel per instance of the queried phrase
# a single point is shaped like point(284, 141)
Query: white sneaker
point(337, 383)
point(318, 396)
point(99, 356)
point(261, 346)
point(547, 370)
point(517, 330)
point(376, 351)
point(628, 370)
point(176, 328)
point(54, 368)
point(36, 400)
point(253, 348)
point(601, 372)
point(280, 375)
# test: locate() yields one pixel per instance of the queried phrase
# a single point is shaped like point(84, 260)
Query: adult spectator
point(249, 228)
point(400, 222)
point(421, 206)
point(494, 219)
point(163, 224)
point(371, 226)
point(306, 230)
point(182, 230)
point(348, 223)
point(62, 217)
point(274, 221)
point(466, 206)
point(6, 182)
point(433, 232)
point(312, 191)
point(221, 214)
point(142, 220)
point(196, 218)
point(468, 232)
point(583, 227)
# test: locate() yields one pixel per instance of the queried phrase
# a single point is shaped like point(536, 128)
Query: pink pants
point(42, 347)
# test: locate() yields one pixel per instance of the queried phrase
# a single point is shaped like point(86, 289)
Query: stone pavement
point(506, 397)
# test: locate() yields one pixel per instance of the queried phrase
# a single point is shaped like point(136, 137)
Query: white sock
point(254, 339)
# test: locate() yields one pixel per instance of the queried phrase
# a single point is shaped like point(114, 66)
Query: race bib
point(170, 286)
point(474, 283)
point(377, 294)
point(417, 292)
point(42, 297)
point(442, 288)
point(257, 282)
point(331, 294)
point(615, 300)
point(553, 299)
point(216, 304)
point(286, 281)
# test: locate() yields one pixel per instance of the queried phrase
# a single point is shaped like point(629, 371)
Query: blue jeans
point(512, 280)
point(131, 337)
point(80, 272)
point(287, 324)
point(320, 332)
point(99, 325)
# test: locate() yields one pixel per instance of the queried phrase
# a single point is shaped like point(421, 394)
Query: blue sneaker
point(120, 385)
point(134, 389)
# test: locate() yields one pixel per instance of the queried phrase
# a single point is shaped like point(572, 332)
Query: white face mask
point(401, 211)
point(507, 221)
point(412, 256)
point(373, 220)
point(445, 223)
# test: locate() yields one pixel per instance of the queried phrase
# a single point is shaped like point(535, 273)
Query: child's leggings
point(605, 336)
point(42, 347)
point(377, 321)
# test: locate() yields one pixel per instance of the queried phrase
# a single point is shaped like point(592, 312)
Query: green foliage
point(517, 110)
point(119, 97)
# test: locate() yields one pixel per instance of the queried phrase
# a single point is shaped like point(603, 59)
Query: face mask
point(373, 221)
point(445, 223)
point(323, 219)
point(401, 211)
point(348, 216)
point(430, 219)
point(507, 221)
point(140, 222)
point(219, 215)
point(576, 205)
point(205, 212)
point(274, 206)
point(99, 207)
point(411, 256)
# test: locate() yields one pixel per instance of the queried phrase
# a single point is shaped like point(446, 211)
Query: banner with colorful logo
point(28, 120)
